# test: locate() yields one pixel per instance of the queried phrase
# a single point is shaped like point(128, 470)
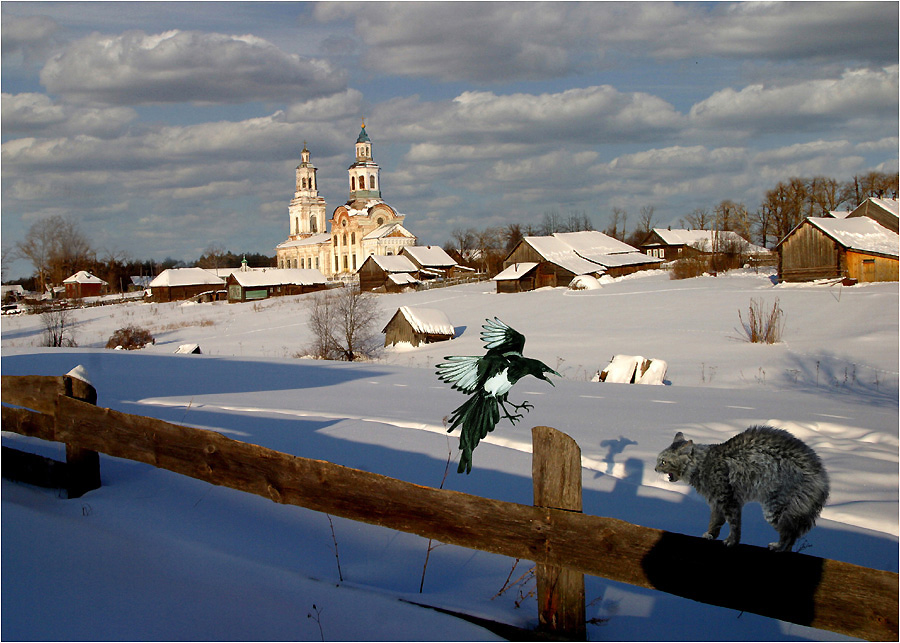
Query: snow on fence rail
point(562, 541)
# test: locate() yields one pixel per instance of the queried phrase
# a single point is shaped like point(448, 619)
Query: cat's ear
point(679, 437)
point(686, 446)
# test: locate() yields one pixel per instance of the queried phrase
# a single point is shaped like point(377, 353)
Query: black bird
point(488, 379)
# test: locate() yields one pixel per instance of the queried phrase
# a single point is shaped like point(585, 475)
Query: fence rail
point(797, 588)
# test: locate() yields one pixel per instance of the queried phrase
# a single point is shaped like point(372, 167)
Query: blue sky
point(164, 128)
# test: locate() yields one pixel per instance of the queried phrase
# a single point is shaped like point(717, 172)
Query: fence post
point(82, 465)
point(556, 474)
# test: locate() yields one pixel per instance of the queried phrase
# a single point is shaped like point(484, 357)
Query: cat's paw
point(731, 542)
point(708, 536)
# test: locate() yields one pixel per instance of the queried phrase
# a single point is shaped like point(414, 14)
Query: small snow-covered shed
point(253, 284)
point(183, 283)
point(418, 326)
point(84, 284)
point(822, 248)
point(518, 277)
point(387, 273)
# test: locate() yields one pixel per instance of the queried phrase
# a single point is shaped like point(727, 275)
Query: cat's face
point(674, 460)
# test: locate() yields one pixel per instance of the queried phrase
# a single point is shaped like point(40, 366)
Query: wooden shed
point(418, 326)
point(519, 277)
point(822, 248)
point(183, 283)
point(387, 273)
point(84, 284)
point(254, 284)
point(432, 262)
point(670, 245)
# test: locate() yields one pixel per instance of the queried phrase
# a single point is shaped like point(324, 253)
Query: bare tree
point(617, 222)
point(512, 234)
point(645, 223)
point(343, 324)
point(552, 223)
point(699, 219)
point(58, 327)
point(56, 248)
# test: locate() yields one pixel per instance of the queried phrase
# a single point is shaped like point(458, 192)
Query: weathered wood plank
point(844, 598)
point(38, 392)
point(25, 422)
point(556, 476)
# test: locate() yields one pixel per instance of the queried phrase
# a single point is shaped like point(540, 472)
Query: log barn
point(387, 273)
point(825, 248)
point(418, 326)
point(249, 285)
point(183, 283)
point(565, 255)
point(519, 277)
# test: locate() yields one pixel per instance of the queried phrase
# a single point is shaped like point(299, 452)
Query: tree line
point(57, 248)
point(783, 207)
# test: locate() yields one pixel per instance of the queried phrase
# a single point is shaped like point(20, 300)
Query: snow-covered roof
point(186, 277)
point(316, 239)
point(590, 243)
point(394, 263)
point(279, 277)
point(83, 277)
point(431, 256)
point(388, 229)
point(430, 321)
point(516, 271)
point(557, 251)
point(860, 233)
point(402, 278)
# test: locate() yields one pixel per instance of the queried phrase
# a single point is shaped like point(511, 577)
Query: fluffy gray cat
point(762, 464)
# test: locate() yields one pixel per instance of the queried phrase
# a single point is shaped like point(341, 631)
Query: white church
point(365, 225)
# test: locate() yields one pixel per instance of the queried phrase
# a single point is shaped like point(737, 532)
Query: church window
point(362, 182)
point(303, 182)
point(354, 261)
point(336, 266)
point(353, 238)
point(345, 238)
point(371, 181)
point(352, 183)
point(317, 263)
point(345, 262)
point(312, 224)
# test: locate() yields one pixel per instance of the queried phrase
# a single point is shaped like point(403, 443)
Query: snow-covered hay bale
point(585, 282)
point(634, 369)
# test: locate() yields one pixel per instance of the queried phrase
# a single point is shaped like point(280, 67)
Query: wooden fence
point(563, 542)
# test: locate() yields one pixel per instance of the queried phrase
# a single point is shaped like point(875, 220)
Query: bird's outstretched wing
point(499, 336)
point(460, 371)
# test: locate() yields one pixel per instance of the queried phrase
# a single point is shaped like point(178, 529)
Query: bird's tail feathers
point(477, 416)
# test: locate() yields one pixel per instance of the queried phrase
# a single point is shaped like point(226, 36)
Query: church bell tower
point(307, 208)
point(365, 184)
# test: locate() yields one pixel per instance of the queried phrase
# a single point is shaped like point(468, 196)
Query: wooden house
point(253, 284)
point(821, 248)
point(387, 273)
point(418, 326)
point(671, 245)
point(884, 211)
point(183, 283)
point(84, 284)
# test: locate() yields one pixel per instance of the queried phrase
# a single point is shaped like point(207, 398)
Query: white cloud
point(36, 113)
point(184, 66)
point(855, 95)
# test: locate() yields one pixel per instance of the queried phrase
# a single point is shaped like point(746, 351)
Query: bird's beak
point(551, 381)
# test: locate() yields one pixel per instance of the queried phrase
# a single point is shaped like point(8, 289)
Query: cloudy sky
point(164, 128)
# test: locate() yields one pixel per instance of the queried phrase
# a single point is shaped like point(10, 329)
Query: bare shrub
point(763, 326)
point(343, 324)
point(689, 267)
point(130, 338)
point(58, 327)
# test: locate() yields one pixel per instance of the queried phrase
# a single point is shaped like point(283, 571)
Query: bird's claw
point(523, 405)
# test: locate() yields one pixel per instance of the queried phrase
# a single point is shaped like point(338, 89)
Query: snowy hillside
point(153, 555)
